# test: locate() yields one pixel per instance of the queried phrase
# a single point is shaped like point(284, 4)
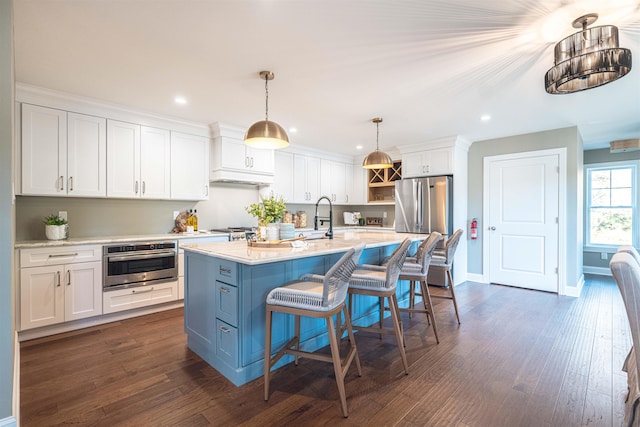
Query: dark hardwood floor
point(520, 358)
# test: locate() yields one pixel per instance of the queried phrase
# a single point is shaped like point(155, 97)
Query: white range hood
point(232, 161)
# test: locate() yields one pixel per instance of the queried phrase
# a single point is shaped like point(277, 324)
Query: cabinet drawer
point(227, 272)
point(126, 299)
point(37, 257)
point(226, 297)
point(227, 343)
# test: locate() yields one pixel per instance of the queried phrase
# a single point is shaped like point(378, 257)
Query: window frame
point(635, 194)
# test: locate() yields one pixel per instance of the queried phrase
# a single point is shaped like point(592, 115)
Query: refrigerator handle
point(419, 206)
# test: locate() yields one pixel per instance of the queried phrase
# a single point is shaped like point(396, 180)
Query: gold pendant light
point(266, 134)
point(377, 159)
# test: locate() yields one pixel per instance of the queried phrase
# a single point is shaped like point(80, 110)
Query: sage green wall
point(7, 328)
point(592, 259)
point(559, 138)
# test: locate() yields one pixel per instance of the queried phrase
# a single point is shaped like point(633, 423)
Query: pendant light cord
point(377, 136)
point(266, 91)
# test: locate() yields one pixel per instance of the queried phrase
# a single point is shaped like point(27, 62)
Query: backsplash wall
point(117, 217)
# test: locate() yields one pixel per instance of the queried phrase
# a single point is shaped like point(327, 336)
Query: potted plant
point(56, 228)
point(268, 212)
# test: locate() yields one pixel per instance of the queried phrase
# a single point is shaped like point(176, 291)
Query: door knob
point(492, 228)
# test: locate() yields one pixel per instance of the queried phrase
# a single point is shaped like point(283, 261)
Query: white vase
point(56, 232)
point(273, 231)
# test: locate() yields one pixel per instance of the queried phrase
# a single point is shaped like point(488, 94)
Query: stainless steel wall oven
point(138, 264)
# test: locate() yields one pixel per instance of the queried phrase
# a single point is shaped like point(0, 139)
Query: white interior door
point(522, 225)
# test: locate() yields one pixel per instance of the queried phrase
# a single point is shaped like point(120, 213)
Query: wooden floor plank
point(519, 358)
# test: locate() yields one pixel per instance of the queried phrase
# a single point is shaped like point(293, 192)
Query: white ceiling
point(431, 69)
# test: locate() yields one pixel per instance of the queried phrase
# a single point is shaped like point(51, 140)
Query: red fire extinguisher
point(474, 229)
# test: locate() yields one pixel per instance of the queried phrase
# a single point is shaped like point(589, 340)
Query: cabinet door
point(260, 160)
point(283, 178)
point(86, 156)
point(44, 151)
point(123, 159)
point(155, 163)
point(300, 194)
point(338, 182)
point(41, 296)
point(83, 290)
point(412, 165)
point(440, 162)
point(233, 154)
point(189, 167)
point(358, 185)
point(313, 178)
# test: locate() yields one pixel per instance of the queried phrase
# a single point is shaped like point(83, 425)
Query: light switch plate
point(604, 255)
point(63, 215)
point(175, 214)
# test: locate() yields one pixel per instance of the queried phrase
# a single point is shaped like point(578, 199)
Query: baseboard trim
point(575, 291)
point(16, 378)
point(472, 277)
point(600, 271)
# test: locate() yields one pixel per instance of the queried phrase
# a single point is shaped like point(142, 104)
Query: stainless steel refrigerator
point(424, 205)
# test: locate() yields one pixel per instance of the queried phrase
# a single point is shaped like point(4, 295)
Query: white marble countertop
point(240, 252)
point(100, 240)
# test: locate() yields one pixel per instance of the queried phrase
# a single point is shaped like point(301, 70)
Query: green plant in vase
point(268, 212)
point(55, 228)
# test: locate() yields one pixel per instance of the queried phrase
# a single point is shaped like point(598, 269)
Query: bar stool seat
point(380, 281)
point(443, 261)
point(416, 269)
point(316, 296)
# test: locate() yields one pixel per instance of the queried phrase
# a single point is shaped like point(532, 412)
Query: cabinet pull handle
point(251, 162)
point(142, 291)
point(70, 183)
point(225, 270)
point(206, 190)
point(224, 329)
point(61, 181)
point(144, 187)
point(225, 290)
point(136, 190)
point(62, 255)
point(246, 161)
point(68, 277)
point(58, 278)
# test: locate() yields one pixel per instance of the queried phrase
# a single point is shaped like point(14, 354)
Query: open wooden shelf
point(381, 183)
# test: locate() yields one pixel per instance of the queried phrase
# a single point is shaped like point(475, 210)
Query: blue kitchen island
point(226, 285)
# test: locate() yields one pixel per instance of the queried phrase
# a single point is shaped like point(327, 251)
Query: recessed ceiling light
point(358, 147)
point(293, 130)
point(485, 117)
point(180, 100)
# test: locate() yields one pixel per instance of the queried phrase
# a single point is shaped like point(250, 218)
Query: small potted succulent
point(56, 228)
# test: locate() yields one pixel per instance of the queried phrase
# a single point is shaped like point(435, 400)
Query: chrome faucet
point(329, 233)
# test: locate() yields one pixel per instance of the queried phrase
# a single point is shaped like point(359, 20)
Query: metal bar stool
point(317, 297)
point(380, 281)
point(415, 269)
point(443, 260)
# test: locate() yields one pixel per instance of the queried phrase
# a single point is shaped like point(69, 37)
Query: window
point(611, 204)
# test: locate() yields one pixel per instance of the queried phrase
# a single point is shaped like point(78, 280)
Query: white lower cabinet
point(126, 299)
point(55, 289)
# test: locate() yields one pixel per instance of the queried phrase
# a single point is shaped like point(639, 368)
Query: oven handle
point(145, 256)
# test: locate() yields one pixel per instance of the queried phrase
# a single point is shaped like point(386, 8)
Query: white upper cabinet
point(283, 178)
point(138, 161)
point(306, 179)
point(333, 181)
point(155, 163)
point(356, 184)
point(428, 163)
point(123, 159)
point(232, 160)
point(189, 167)
point(63, 154)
